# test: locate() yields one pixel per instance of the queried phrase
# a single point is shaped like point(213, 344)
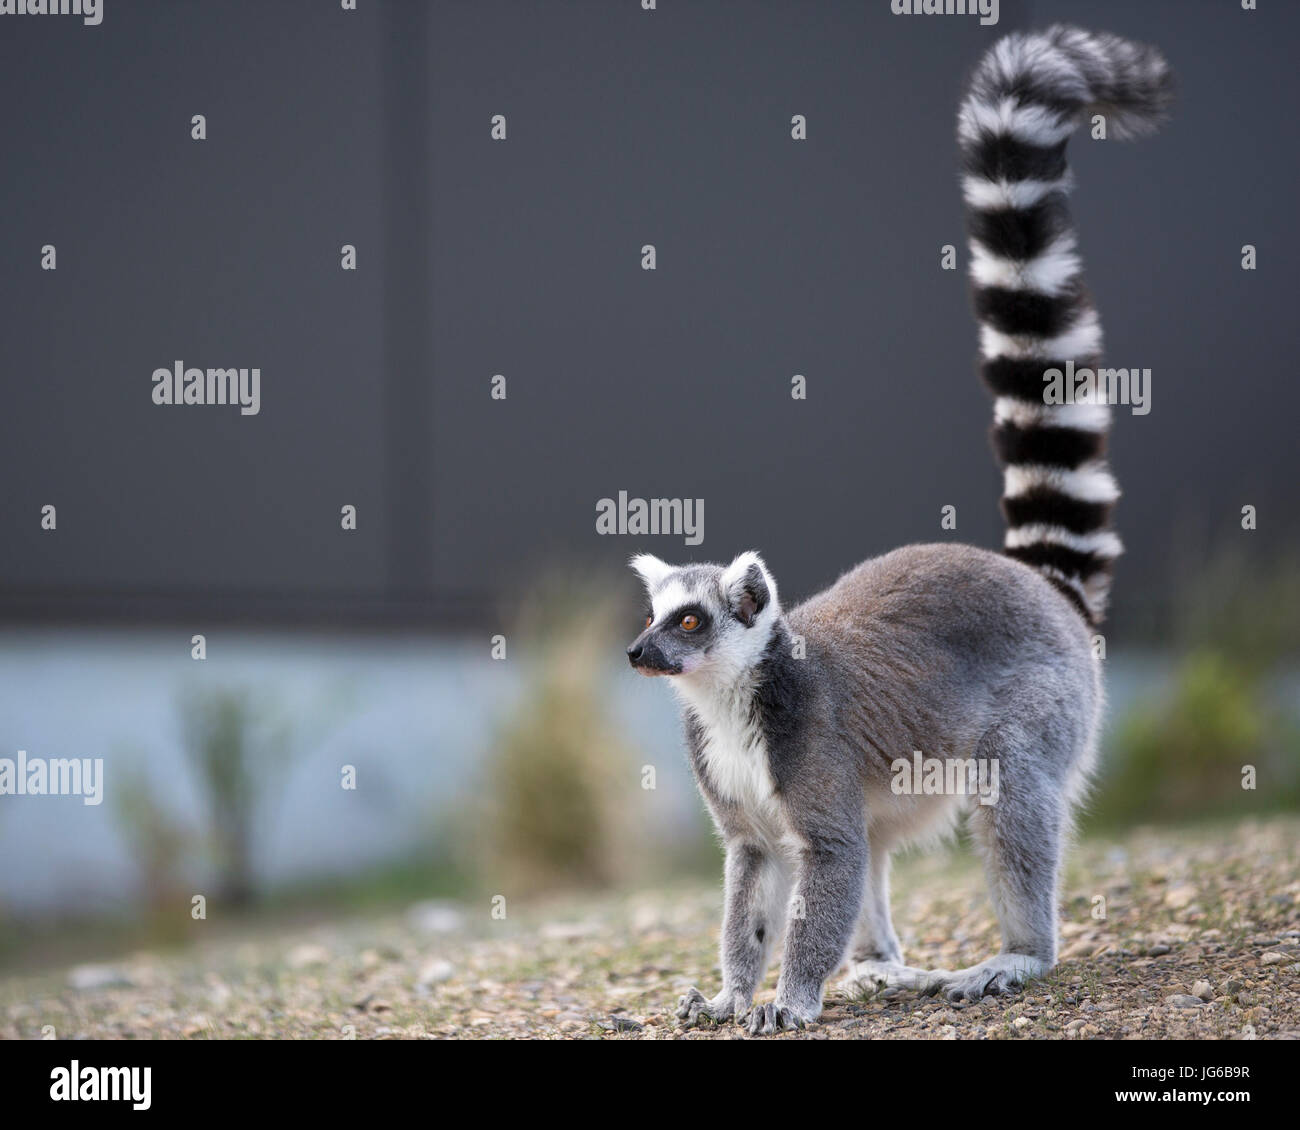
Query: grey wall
point(522, 258)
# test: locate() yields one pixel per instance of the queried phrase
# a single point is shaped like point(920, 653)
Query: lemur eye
point(649, 620)
point(690, 622)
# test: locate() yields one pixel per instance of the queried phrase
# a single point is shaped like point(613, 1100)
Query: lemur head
point(708, 623)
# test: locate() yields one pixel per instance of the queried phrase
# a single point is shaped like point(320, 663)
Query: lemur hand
point(695, 1006)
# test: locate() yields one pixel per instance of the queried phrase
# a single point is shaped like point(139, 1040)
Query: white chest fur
point(733, 756)
point(735, 760)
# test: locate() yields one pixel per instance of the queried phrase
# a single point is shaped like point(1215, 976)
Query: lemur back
point(799, 723)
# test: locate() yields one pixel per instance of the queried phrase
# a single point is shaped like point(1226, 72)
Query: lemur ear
point(749, 587)
point(650, 569)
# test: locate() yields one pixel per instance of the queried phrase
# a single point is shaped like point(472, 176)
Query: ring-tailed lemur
point(794, 718)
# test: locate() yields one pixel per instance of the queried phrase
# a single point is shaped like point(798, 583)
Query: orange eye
point(649, 620)
point(690, 622)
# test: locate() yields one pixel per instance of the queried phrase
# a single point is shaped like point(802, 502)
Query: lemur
point(794, 717)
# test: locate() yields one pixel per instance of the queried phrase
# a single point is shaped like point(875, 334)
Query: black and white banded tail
point(1026, 97)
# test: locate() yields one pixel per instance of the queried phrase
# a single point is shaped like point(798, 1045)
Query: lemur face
point(703, 620)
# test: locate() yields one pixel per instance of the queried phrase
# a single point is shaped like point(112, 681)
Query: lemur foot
point(1005, 973)
point(765, 1019)
point(695, 1007)
point(870, 977)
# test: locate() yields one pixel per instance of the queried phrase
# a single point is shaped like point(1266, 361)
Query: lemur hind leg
point(1021, 837)
point(875, 958)
point(874, 939)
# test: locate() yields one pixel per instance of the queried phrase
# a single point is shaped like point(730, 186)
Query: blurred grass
point(239, 743)
point(1181, 755)
point(558, 802)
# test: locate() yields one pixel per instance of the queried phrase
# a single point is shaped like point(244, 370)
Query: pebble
point(1204, 990)
point(1182, 1000)
point(435, 972)
point(569, 931)
point(308, 953)
point(98, 977)
point(435, 917)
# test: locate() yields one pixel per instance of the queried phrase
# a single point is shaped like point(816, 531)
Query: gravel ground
point(1197, 934)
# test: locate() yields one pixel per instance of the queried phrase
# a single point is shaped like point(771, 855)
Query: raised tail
point(1027, 95)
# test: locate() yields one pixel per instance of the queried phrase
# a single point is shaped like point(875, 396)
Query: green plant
point(560, 786)
point(239, 744)
point(1184, 755)
point(157, 842)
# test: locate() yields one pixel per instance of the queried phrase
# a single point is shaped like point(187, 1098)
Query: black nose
point(634, 653)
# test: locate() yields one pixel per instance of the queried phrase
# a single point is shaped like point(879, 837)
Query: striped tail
point(1026, 97)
